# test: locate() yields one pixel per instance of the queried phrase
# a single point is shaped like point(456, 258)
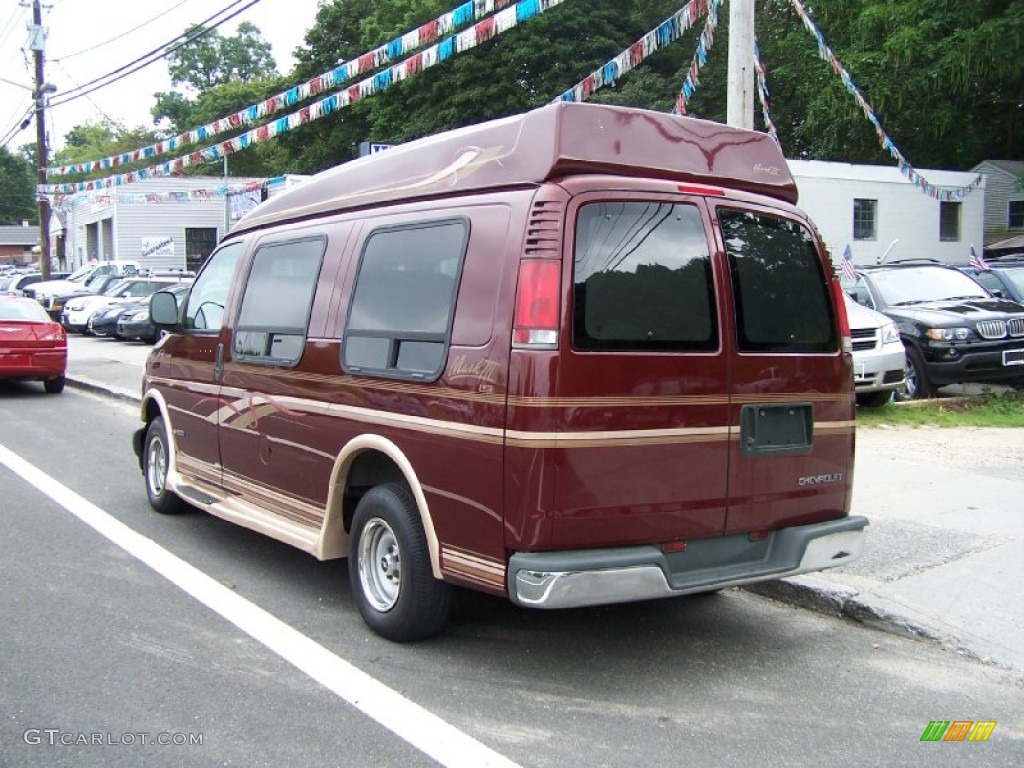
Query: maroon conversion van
point(578, 356)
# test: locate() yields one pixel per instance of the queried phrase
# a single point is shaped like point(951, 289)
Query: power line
point(123, 34)
point(20, 124)
point(151, 57)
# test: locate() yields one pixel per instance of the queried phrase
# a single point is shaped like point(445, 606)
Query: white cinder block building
point(871, 207)
point(163, 223)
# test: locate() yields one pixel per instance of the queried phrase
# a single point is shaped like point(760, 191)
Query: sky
point(140, 26)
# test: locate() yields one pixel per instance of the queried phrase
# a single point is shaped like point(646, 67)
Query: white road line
point(422, 729)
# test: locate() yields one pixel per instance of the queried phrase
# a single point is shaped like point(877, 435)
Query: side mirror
point(163, 309)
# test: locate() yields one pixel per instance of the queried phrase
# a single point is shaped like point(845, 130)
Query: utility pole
point(38, 43)
point(740, 102)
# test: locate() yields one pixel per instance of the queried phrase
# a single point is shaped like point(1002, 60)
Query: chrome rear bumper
point(627, 574)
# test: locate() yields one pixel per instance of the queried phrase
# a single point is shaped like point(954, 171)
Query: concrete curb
point(834, 599)
point(91, 385)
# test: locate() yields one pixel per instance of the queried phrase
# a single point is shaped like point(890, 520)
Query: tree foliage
point(211, 59)
point(17, 200)
point(944, 78)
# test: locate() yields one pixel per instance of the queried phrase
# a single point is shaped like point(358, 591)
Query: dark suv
point(953, 329)
point(1004, 276)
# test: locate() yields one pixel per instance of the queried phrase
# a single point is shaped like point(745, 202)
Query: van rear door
point(791, 414)
point(642, 401)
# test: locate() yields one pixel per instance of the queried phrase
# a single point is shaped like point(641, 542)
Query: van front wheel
point(155, 461)
point(389, 567)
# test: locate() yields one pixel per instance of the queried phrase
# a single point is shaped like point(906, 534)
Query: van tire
point(389, 567)
point(156, 451)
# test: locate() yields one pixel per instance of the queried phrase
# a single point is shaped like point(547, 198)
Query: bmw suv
point(953, 329)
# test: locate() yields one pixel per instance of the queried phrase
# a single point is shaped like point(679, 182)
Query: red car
point(32, 346)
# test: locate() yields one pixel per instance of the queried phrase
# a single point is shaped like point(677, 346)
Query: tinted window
point(205, 308)
point(783, 298)
point(404, 297)
point(277, 301)
point(642, 278)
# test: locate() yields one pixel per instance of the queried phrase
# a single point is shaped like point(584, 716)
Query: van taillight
point(841, 316)
point(535, 323)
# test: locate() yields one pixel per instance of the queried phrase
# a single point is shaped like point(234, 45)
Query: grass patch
point(985, 410)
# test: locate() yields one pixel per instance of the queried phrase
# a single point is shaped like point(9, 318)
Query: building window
point(865, 219)
point(949, 222)
point(199, 244)
point(1015, 217)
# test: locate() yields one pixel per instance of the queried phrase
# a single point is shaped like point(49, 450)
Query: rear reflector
point(673, 546)
point(535, 323)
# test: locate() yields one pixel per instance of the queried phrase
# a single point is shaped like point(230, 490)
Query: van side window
point(205, 308)
point(400, 317)
point(642, 279)
point(783, 298)
point(278, 297)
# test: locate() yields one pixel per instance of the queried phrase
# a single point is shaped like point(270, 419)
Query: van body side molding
point(625, 574)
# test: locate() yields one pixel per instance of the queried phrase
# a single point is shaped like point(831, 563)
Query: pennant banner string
point(670, 30)
point(700, 58)
point(944, 194)
point(462, 41)
point(326, 81)
point(763, 93)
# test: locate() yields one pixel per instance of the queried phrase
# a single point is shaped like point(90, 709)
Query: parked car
point(54, 303)
point(879, 358)
point(1004, 277)
point(32, 346)
point(78, 311)
point(953, 329)
point(79, 279)
point(103, 322)
point(583, 355)
point(16, 285)
point(137, 321)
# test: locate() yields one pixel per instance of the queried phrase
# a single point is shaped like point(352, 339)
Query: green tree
point(101, 138)
point(212, 61)
point(18, 198)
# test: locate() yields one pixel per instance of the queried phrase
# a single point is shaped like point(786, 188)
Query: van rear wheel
point(389, 567)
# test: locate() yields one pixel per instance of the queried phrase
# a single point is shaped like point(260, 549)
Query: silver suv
point(879, 359)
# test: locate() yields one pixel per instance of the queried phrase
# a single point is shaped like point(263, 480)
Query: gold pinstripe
point(472, 567)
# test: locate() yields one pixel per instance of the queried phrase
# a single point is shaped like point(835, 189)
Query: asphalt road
point(99, 646)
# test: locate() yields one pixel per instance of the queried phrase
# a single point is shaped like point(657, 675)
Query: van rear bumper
point(626, 574)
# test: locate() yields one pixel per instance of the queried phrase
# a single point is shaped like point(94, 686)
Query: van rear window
point(783, 301)
point(642, 278)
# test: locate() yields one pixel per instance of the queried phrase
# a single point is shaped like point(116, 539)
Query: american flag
point(847, 264)
point(976, 261)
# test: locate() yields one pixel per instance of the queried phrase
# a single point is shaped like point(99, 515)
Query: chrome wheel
point(156, 460)
point(389, 567)
point(156, 466)
point(380, 565)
